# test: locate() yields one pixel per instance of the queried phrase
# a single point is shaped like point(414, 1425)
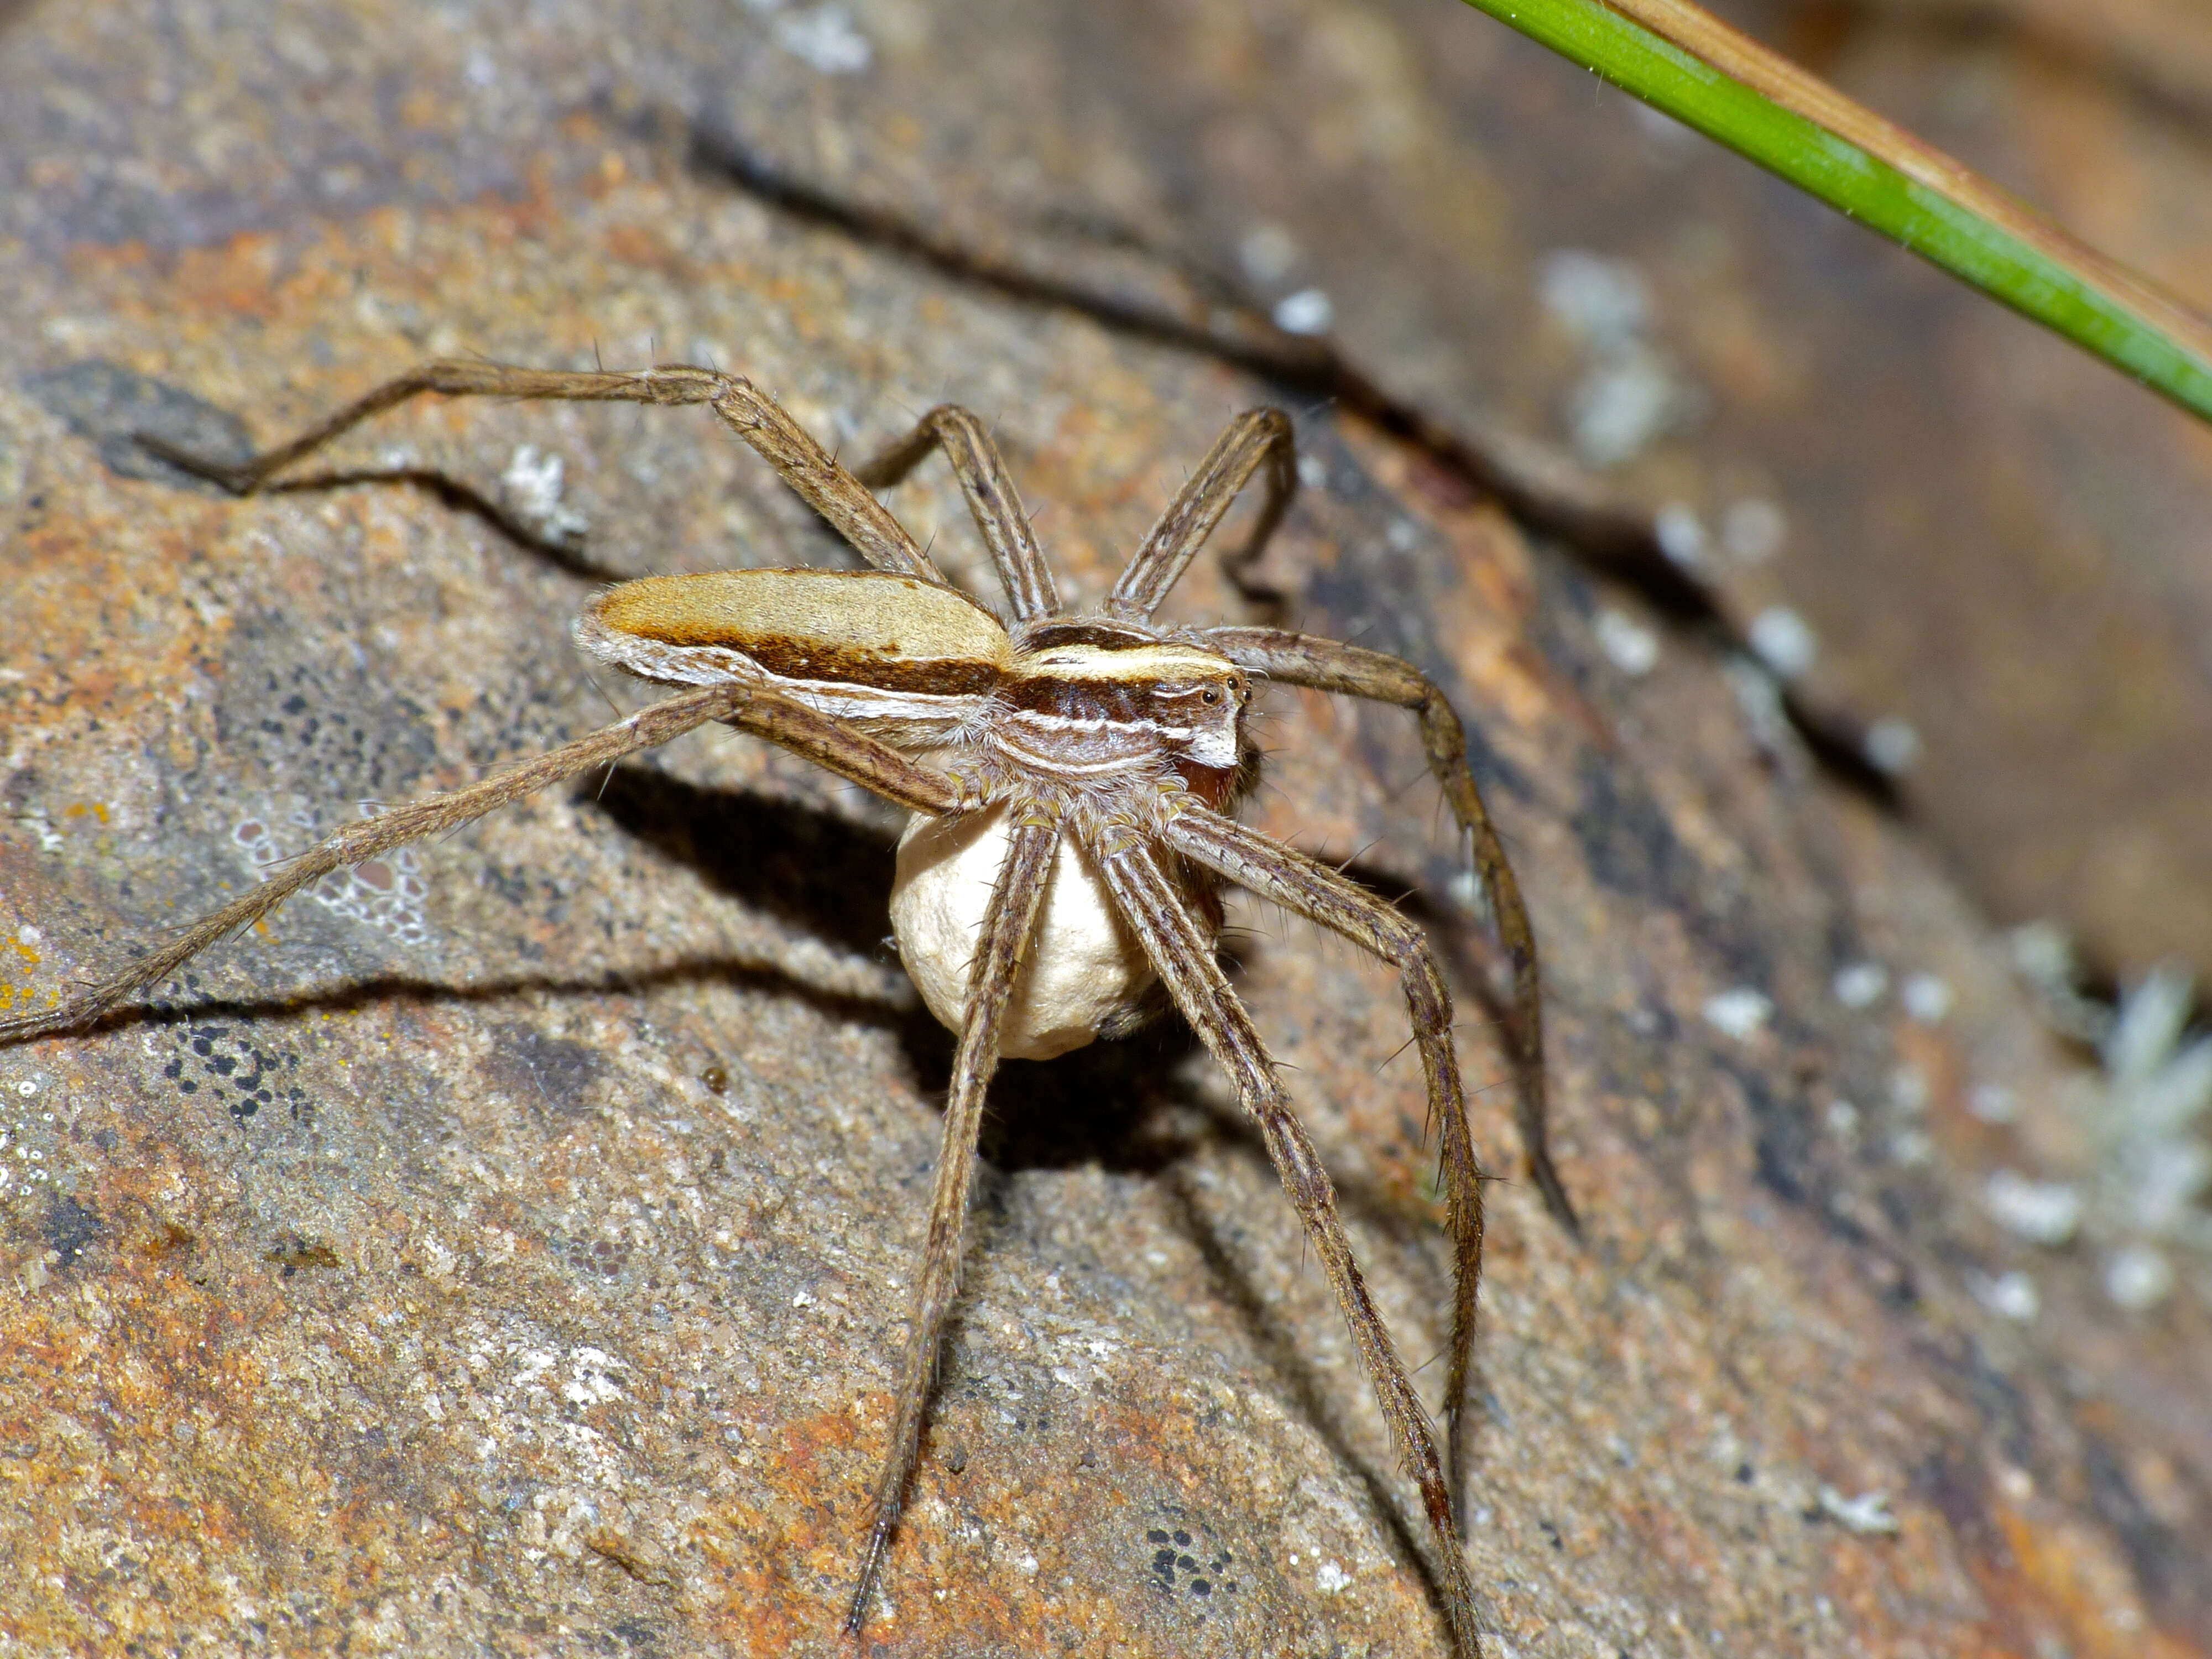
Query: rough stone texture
point(507, 1251)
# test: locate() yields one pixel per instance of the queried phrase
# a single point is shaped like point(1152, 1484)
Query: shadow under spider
point(356, 993)
point(826, 875)
point(459, 496)
point(819, 874)
point(1128, 1107)
point(815, 870)
point(823, 873)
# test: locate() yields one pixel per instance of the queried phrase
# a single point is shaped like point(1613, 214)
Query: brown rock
point(508, 1250)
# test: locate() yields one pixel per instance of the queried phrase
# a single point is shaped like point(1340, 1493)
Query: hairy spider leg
point(850, 754)
point(1184, 957)
point(809, 469)
point(1255, 436)
point(841, 497)
point(992, 498)
point(1355, 671)
point(1264, 436)
point(1280, 873)
point(1008, 927)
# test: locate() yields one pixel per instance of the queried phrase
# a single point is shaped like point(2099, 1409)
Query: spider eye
point(1211, 697)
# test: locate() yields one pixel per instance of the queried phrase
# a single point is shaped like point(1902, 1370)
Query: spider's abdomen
point(1084, 972)
point(903, 658)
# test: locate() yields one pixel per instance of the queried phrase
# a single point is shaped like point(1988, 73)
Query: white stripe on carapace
point(1097, 723)
point(1211, 744)
point(676, 664)
point(1135, 663)
point(872, 702)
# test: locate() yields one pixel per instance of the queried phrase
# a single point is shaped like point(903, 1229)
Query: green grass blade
point(1683, 60)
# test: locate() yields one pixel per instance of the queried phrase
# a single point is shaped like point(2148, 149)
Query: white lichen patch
point(1594, 297)
point(1740, 1012)
point(533, 487)
point(1267, 251)
point(386, 894)
point(1629, 392)
point(1758, 694)
point(824, 39)
point(1628, 644)
point(1784, 640)
point(1682, 536)
point(1909, 1090)
point(2012, 1295)
point(1308, 311)
point(2042, 1212)
point(42, 828)
point(1752, 530)
point(1860, 984)
point(2139, 1277)
point(1869, 1514)
point(1926, 998)
point(2154, 1159)
point(1892, 745)
point(2139, 1197)
point(1992, 1102)
point(1620, 404)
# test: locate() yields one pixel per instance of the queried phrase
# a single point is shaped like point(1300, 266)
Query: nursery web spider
point(1072, 782)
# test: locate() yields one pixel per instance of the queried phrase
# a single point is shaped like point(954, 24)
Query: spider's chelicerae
point(1072, 782)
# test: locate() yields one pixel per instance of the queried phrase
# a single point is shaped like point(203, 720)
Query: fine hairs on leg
point(1101, 757)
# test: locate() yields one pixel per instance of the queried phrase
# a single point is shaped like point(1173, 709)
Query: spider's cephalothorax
point(1072, 782)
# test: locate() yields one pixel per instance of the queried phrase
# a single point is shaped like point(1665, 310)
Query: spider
point(1072, 782)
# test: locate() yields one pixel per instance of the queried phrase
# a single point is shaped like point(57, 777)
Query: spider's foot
point(1546, 1177)
point(238, 480)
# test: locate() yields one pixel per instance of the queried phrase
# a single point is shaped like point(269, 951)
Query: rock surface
point(506, 1250)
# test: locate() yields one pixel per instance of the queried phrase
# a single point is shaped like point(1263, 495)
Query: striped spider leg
point(1291, 659)
point(1071, 782)
point(1262, 436)
point(997, 508)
